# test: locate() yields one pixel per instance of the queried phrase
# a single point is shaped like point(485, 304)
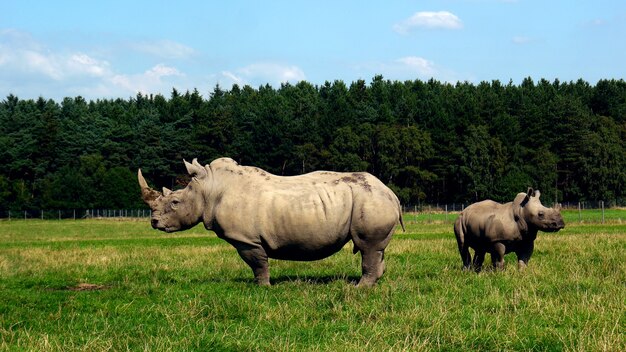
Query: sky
point(116, 49)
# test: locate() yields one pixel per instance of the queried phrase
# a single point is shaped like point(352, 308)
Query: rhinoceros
point(497, 228)
point(305, 217)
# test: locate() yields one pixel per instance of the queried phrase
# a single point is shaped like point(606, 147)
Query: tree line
point(430, 141)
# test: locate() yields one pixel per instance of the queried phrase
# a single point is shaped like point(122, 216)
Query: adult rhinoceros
point(497, 228)
point(306, 217)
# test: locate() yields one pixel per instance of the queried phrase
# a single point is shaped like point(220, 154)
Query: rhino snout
point(155, 223)
point(559, 224)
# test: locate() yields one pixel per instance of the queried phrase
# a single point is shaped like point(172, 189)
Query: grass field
point(119, 285)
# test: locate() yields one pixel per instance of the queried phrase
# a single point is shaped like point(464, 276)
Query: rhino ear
point(525, 200)
point(530, 192)
point(194, 169)
point(166, 191)
point(537, 194)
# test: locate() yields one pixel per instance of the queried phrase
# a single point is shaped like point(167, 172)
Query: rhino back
point(488, 221)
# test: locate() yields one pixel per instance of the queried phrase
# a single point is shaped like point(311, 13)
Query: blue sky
point(110, 49)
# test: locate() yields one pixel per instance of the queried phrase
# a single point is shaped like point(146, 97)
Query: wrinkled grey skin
point(305, 217)
point(490, 227)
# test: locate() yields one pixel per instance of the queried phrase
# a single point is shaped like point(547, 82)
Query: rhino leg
point(497, 255)
point(479, 257)
point(523, 255)
point(256, 258)
point(466, 257)
point(373, 267)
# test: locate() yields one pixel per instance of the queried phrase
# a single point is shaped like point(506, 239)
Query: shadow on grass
point(306, 279)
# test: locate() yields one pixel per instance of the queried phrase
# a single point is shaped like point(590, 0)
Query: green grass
point(191, 291)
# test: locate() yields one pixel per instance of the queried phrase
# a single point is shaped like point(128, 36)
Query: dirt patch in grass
point(86, 287)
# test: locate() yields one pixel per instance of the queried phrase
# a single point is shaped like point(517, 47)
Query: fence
point(74, 214)
point(581, 212)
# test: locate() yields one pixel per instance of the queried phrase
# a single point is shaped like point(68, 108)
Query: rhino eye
point(541, 215)
point(174, 204)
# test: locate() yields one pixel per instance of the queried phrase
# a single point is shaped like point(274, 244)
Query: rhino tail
point(458, 231)
point(401, 222)
point(400, 214)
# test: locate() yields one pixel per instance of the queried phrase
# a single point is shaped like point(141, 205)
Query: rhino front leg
point(373, 267)
point(497, 255)
point(524, 254)
point(256, 258)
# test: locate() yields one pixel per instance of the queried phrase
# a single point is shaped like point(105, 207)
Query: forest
point(430, 141)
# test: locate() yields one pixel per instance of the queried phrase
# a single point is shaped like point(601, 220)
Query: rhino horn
point(195, 169)
point(166, 191)
point(147, 194)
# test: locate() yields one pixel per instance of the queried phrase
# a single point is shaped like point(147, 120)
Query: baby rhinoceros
point(497, 228)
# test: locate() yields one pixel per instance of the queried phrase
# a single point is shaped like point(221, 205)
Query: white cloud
point(35, 62)
point(265, 72)
point(165, 49)
point(431, 20)
point(233, 78)
point(20, 55)
point(31, 69)
point(84, 64)
point(408, 68)
point(521, 40)
point(154, 80)
point(421, 66)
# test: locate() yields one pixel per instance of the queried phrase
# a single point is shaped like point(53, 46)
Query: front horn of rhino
point(147, 194)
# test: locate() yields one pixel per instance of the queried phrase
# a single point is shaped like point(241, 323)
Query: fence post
point(59, 215)
point(41, 214)
point(9, 215)
point(74, 214)
point(602, 204)
point(580, 215)
point(446, 213)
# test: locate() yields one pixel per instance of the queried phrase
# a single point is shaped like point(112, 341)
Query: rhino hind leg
point(373, 267)
point(256, 258)
point(466, 257)
point(479, 257)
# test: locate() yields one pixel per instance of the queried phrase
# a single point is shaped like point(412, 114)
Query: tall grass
point(118, 285)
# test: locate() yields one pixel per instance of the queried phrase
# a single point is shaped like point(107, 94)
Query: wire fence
point(74, 214)
point(573, 212)
point(581, 212)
